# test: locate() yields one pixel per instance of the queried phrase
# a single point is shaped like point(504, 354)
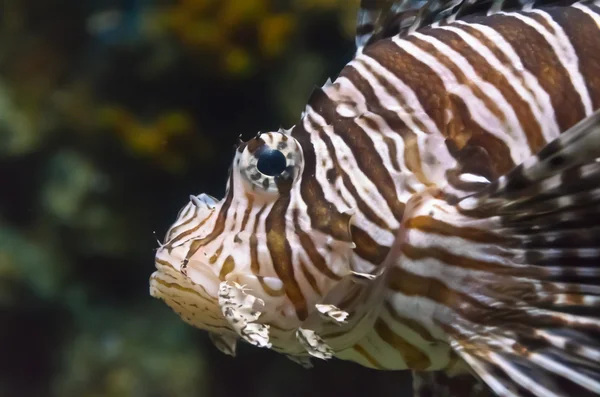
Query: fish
point(435, 209)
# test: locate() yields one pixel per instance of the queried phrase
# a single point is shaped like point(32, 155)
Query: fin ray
point(380, 19)
point(529, 325)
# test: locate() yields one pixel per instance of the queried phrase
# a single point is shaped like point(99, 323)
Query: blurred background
point(111, 113)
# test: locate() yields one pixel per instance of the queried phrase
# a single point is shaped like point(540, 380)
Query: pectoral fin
point(512, 273)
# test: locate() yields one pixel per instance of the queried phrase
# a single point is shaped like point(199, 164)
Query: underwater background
point(112, 112)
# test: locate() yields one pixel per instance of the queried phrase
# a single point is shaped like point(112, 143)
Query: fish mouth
point(190, 219)
point(204, 199)
point(193, 295)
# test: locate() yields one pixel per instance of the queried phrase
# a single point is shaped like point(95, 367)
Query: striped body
point(449, 107)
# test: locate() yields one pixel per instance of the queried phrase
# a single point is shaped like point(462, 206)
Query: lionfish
point(435, 209)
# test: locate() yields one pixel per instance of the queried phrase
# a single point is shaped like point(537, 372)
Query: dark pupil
point(271, 162)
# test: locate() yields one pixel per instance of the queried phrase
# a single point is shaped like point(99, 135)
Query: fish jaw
point(193, 295)
point(230, 306)
point(225, 308)
point(205, 273)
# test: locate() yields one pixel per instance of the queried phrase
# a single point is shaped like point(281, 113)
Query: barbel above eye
point(271, 162)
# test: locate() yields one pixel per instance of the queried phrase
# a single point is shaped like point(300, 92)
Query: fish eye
point(271, 162)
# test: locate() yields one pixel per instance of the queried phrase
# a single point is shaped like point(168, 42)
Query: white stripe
point(438, 354)
point(404, 180)
point(490, 379)
point(357, 178)
point(520, 377)
point(563, 370)
point(366, 189)
point(323, 162)
point(345, 89)
point(510, 129)
point(429, 142)
point(562, 47)
point(413, 108)
point(588, 11)
point(543, 101)
point(513, 80)
point(383, 352)
point(477, 108)
point(423, 310)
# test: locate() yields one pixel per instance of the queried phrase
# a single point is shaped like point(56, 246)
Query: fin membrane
point(380, 19)
point(543, 337)
point(518, 280)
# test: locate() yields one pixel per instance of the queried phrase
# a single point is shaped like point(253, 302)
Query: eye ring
point(269, 162)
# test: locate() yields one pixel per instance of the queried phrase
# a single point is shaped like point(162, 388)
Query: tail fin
point(519, 291)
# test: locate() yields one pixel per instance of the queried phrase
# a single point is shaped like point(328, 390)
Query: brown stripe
point(190, 281)
point(411, 284)
point(254, 261)
point(452, 260)
point(213, 259)
point(254, 144)
point(218, 228)
point(312, 281)
point(540, 59)
point(367, 248)
point(540, 19)
point(323, 214)
point(428, 224)
point(529, 124)
point(228, 267)
point(461, 128)
point(499, 54)
point(233, 224)
point(412, 156)
point(194, 211)
point(466, 136)
point(281, 255)
point(268, 290)
point(367, 356)
point(584, 34)
point(426, 85)
point(360, 203)
point(188, 232)
point(413, 357)
point(363, 150)
point(184, 289)
point(468, 306)
point(415, 326)
point(249, 206)
point(313, 254)
point(391, 145)
point(463, 133)
point(165, 263)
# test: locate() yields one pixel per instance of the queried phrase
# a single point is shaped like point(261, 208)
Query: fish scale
point(435, 212)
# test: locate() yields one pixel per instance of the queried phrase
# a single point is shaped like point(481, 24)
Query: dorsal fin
point(380, 19)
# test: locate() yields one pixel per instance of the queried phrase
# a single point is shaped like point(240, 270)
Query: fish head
point(254, 265)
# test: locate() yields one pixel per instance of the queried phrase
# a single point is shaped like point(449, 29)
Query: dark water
point(111, 114)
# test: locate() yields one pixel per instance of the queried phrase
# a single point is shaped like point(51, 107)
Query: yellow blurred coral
point(274, 31)
point(223, 28)
point(150, 139)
